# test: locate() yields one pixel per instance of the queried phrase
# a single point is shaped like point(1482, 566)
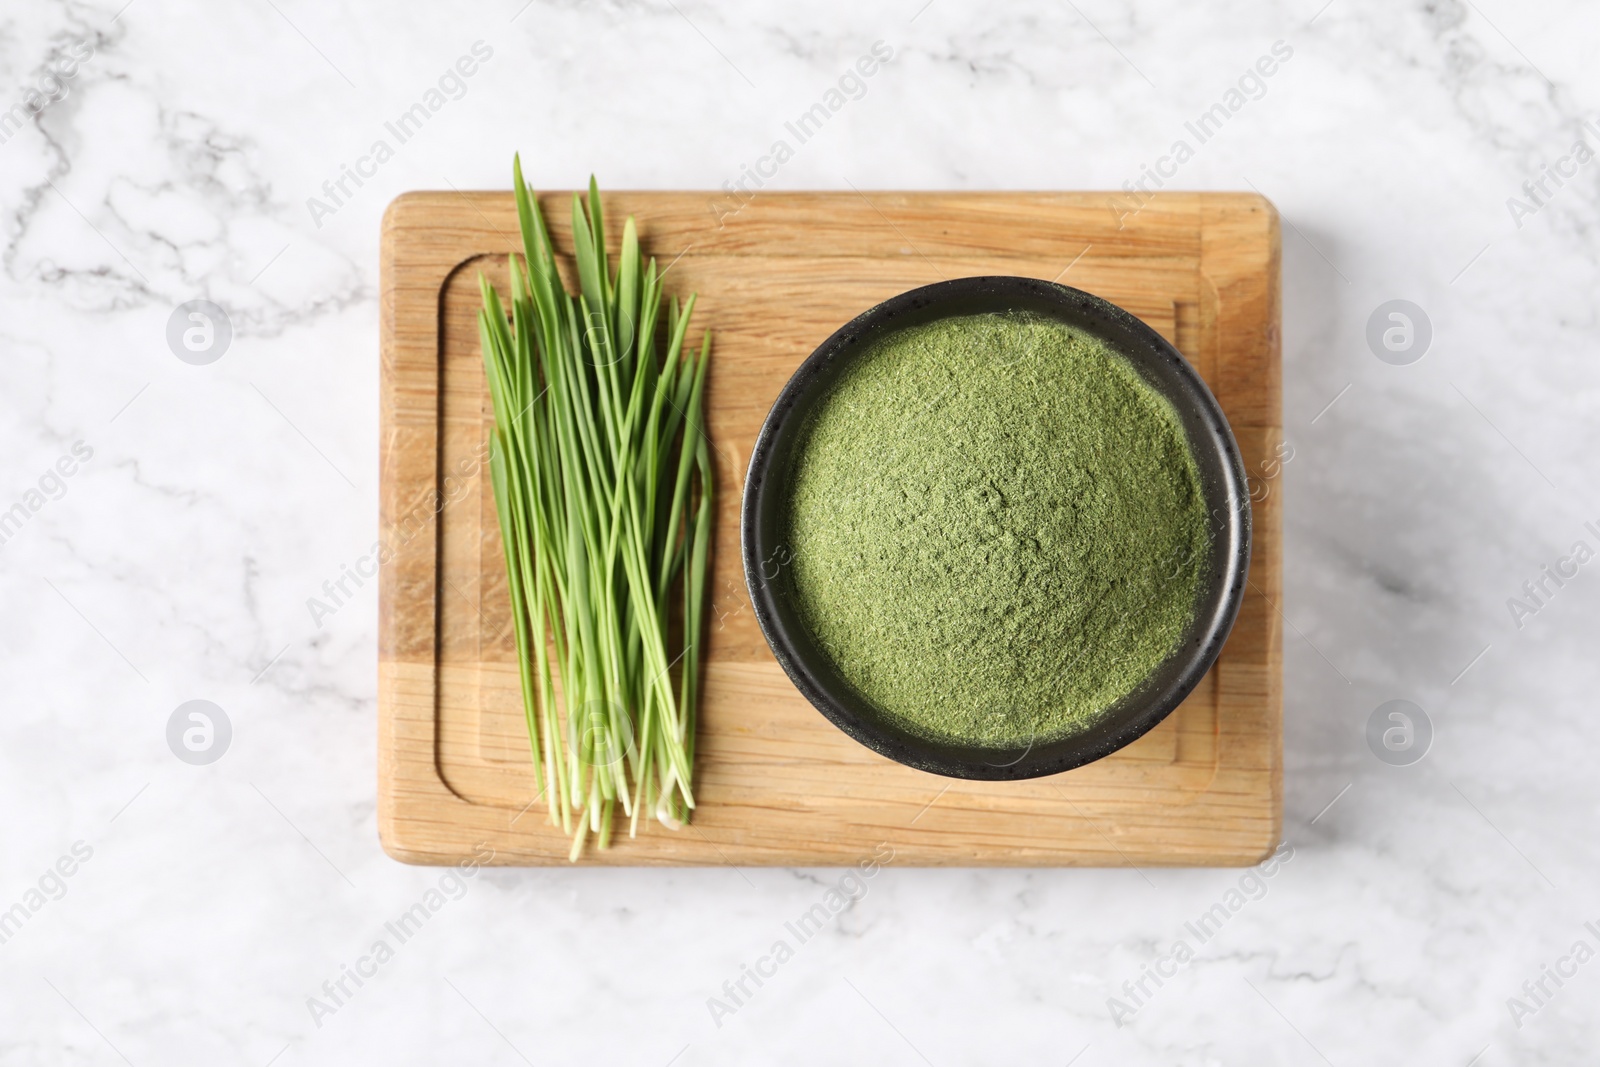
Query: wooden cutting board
point(776, 782)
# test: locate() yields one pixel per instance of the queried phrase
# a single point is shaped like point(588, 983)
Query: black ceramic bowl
point(1222, 481)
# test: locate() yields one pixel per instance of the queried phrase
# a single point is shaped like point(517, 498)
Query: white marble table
point(171, 554)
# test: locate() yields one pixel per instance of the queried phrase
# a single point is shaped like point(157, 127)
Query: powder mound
point(997, 529)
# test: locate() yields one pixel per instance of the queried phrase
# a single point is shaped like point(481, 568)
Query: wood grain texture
point(777, 783)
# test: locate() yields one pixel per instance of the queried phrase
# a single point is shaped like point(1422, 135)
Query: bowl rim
point(1149, 353)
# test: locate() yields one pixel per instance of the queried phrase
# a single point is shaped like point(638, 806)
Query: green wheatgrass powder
point(995, 529)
